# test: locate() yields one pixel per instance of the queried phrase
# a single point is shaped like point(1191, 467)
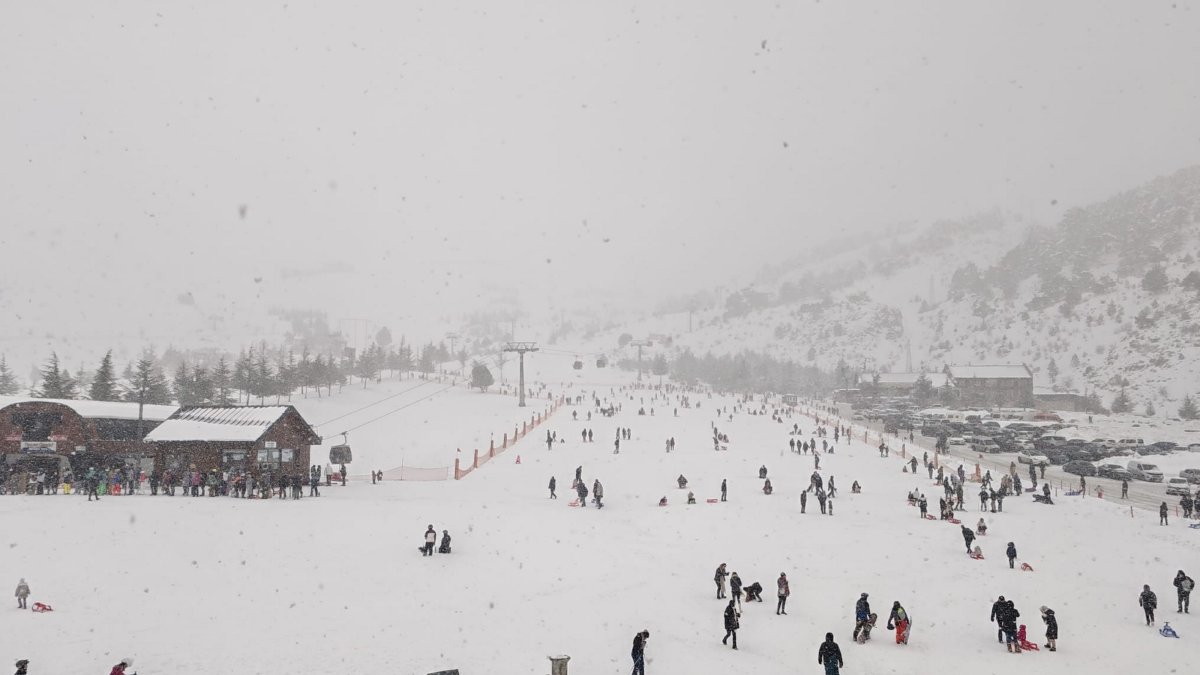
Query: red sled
point(40, 607)
point(929, 516)
point(956, 521)
point(975, 556)
point(573, 502)
point(1026, 567)
point(713, 501)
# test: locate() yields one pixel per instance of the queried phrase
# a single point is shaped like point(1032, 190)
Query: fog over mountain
point(409, 161)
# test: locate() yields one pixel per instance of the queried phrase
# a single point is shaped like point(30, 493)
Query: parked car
point(1032, 458)
point(1192, 475)
point(1057, 458)
point(1080, 468)
point(956, 440)
point(1130, 442)
point(985, 445)
point(1178, 486)
point(1113, 471)
point(1194, 447)
point(1144, 471)
point(1166, 446)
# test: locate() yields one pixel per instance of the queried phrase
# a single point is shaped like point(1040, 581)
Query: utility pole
point(639, 344)
point(520, 348)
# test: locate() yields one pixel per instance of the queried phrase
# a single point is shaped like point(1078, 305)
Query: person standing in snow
point(997, 614)
point(983, 499)
point(581, 492)
point(830, 655)
point(1148, 602)
point(719, 578)
point(784, 592)
point(923, 504)
point(21, 594)
point(1012, 554)
point(803, 500)
point(1183, 591)
point(1008, 622)
point(553, 484)
point(731, 624)
point(430, 538)
point(832, 489)
point(821, 498)
point(343, 472)
point(1162, 514)
point(723, 489)
point(1124, 488)
point(898, 619)
point(862, 615)
point(598, 493)
point(735, 587)
point(639, 652)
point(1051, 628)
point(968, 537)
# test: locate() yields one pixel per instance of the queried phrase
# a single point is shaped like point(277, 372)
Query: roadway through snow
point(1141, 494)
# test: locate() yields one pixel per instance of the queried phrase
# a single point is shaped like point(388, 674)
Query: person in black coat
point(639, 652)
point(997, 613)
point(553, 485)
point(1012, 554)
point(830, 655)
point(731, 624)
point(1149, 602)
point(1008, 621)
point(1162, 514)
point(445, 545)
point(1183, 591)
point(968, 537)
point(1051, 628)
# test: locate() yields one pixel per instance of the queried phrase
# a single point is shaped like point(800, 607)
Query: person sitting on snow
point(981, 527)
point(682, 482)
point(691, 497)
point(767, 489)
point(855, 488)
point(662, 502)
point(445, 545)
point(753, 592)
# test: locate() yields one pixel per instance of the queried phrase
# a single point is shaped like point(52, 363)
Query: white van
point(1145, 471)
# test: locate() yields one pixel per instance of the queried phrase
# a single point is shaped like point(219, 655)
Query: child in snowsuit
point(1148, 602)
point(1183, 591)
point(1012, 554)
point(21, 594)
point(1051, 628)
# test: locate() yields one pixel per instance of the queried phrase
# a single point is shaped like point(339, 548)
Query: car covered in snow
point(1114, 471)
point(1032, 458)
point(1193, 447)
point(1145, 471)
point(1191, 475)
point(956, 440)
point(1178, 486)
point(985, 445)
point(1080, 468)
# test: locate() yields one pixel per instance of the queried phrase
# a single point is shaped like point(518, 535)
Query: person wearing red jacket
point(120, 668)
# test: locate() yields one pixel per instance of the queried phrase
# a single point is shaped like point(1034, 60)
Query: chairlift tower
point(639, 344)
point(521, 348)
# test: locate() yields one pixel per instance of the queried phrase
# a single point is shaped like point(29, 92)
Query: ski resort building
point(54, 435)
point(897, 384)
point(243, 438)
point(1004, 386)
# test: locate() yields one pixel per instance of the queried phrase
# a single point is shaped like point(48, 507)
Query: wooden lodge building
point(55, 434)
point(239, 438)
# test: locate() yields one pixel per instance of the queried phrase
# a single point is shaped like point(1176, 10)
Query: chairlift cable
point(369, 405)
point(406, 405)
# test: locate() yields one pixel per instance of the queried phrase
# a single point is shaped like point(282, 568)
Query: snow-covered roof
point(235, 424)
point(1018, 371)
point(109, 410)
point(938, 380)
point(1047, 391)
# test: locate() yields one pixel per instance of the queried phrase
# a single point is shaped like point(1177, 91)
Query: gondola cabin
point(578, 365)
point(601, 362)
point(340, 454)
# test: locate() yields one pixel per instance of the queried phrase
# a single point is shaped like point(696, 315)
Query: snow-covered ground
point(336, 584)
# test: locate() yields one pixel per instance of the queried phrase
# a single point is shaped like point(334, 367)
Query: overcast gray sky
point(448, 151)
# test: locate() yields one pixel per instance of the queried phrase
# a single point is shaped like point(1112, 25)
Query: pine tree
point(1122, 404)
point(481, 377)
point(104, 382)
point(1188, 410)
point(8, 381)
point(262, 376)
point(427, 363)
point(183, 385)
point(148, 384)
point(222, 382)
point(243, 373)
point(56, 382)
point(1052, 371)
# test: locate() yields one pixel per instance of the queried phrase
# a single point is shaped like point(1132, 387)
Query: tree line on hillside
point(258, 372)
point(749, 371)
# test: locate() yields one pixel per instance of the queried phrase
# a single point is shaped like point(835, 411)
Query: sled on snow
point(929, 516)
point(713, 501)
point(1026, 567)
point(573, 502)
point(956, 521)
point(1194, 526)
point(975, 555)
point(41, 607)
point(1167, 631)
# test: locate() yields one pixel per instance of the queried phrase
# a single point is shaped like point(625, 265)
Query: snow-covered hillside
point(1107, 298)
point(336, 584)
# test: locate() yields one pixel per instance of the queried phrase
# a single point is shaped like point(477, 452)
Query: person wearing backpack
point(1148, 602)
point(1183, 591)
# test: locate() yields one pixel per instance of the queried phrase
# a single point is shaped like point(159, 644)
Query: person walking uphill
point(784, 591)
point(731, 624)
point(830, 655)
point(21, 594)
point(553, 485)
point(1051, 628)
point(1149, 602)
point(862, 615)
point(430, 539)
point(968, 537)
point(1012, 554)
point(997, 616)
point(1183, 591)
point(639, 652)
